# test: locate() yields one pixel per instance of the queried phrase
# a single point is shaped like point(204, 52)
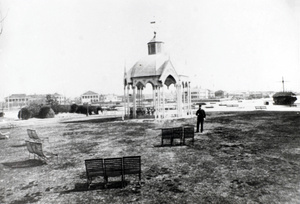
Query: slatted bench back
point(94, 167)
point(177, 132)
point(113, 167)
point(188, 132)
point(132, 165)
point(167, 133)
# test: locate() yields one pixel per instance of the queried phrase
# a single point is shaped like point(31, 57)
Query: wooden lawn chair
point(4, 135)
point(36, 148)
point(33, 135)
point(29, 148)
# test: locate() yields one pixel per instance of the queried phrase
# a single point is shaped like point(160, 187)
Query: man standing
point(200, 118)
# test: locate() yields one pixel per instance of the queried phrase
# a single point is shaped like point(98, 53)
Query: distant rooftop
point(89, 93)
point(17, 96)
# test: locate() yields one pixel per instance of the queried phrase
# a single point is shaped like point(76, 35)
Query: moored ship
point(284, 98)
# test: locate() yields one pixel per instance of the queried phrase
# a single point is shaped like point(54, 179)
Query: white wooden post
point(134, 102)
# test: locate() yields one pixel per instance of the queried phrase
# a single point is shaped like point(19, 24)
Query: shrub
point(95, 109)
point(34, 109)
point(81, 109)
point(2, 114)
point(24, 114)
point(46, 112)
point(74, 108)
point(64, 108)
point(99, 109)
point(61, 108)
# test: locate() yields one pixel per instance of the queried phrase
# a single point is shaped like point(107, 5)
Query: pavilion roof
point(151, 65)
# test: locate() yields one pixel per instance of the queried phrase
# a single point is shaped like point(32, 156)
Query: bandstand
point(156, 69)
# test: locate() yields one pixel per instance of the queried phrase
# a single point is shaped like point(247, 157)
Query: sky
point(73, 46)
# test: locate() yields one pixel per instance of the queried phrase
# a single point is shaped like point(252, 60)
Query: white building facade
point(90, 97)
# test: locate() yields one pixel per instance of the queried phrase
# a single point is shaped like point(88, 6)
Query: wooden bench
point(94, 168)
point(177, 134)
point(36, 148)
point(166, 134)
point(181, 133)
point(112, 167)
point(260, 107)
point(188, 133)
point(132, 165)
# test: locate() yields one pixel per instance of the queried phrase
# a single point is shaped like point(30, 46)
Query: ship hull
point(284, 98)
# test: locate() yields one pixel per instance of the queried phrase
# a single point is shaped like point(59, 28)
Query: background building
point(20, 100)
point(110, 98)
point(17, 100)
point(60, 98)
point(198, 94)
point(90, 97)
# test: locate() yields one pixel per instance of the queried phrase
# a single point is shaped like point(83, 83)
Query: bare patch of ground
point(242, 157)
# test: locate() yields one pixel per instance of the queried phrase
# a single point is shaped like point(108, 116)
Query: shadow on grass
point(29, 198)
point(21, 145)
point(169, 145)
point(80, 187)
point(24, 164)
point(165, 145)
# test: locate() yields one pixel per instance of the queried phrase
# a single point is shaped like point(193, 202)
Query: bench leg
point(140, 178)
point(106, 181)
point(89, 181)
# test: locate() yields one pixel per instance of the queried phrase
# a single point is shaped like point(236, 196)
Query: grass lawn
point(242, 157)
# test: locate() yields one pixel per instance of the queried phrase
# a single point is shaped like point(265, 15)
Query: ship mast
point(282, 84)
